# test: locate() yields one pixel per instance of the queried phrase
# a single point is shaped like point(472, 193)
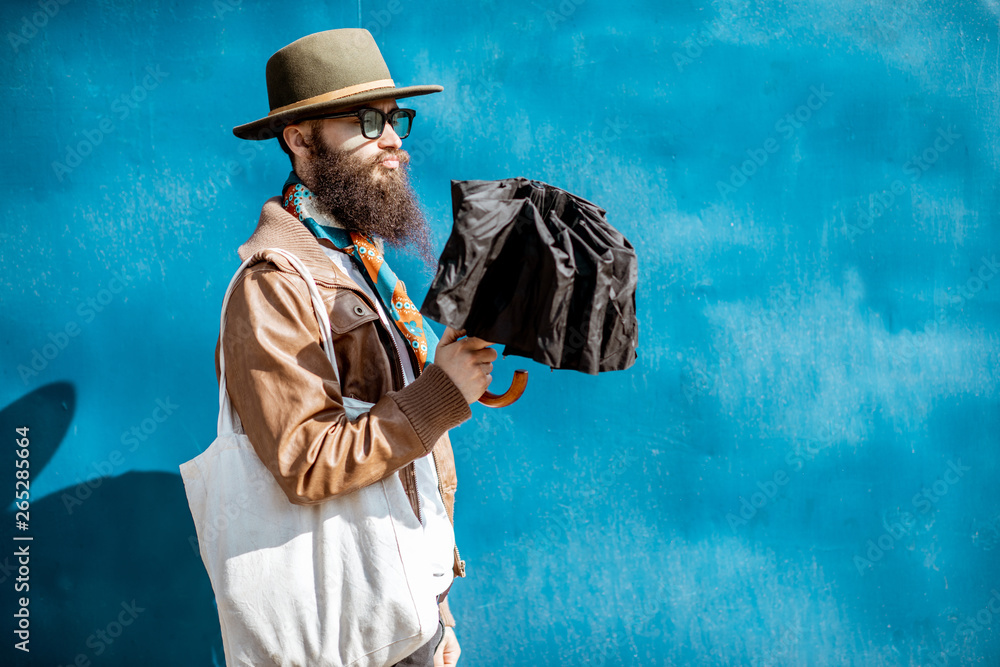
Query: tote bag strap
point(229, 421)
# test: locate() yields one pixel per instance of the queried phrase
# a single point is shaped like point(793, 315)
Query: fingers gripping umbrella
point(541, 271)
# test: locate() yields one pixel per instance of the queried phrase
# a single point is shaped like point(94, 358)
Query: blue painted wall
point(801, 468)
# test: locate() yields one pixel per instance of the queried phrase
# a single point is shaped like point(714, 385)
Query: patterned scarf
point(367, 254)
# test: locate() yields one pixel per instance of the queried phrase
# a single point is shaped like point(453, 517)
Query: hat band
point(336, 94)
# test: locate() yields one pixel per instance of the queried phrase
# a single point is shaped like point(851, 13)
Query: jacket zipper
point(399, 357)
point(412, 465)
point(420, 502)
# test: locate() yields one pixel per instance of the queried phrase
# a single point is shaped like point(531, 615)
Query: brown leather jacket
point(285, 392)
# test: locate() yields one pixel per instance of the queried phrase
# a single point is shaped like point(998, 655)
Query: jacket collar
point(277, 228)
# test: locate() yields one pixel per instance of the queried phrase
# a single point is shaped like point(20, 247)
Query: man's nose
point(389, 138)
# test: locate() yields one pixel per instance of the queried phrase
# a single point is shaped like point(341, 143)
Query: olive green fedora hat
point(321, 73)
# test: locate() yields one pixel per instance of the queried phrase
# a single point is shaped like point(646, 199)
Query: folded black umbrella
point(541, 271)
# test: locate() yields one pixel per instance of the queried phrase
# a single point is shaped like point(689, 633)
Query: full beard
point(347, 188)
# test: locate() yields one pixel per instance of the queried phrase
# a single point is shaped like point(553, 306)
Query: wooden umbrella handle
point(517, 387)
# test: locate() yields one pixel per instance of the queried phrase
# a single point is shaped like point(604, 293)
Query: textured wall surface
point(800, 469)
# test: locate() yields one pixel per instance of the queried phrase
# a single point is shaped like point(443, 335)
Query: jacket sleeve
point(287, 397)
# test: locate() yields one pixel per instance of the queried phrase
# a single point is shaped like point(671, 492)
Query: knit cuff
point(433, 404)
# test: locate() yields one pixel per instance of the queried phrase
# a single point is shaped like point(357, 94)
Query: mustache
point(395, 153)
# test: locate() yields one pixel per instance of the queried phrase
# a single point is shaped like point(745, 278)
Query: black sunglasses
point(373, 121)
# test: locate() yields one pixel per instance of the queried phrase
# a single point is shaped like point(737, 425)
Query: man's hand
point(467, 361)
point(448, 650)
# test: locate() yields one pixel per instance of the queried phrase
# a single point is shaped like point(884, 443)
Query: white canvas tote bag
point(343, 582)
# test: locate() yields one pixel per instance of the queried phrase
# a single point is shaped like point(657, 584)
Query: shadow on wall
point(113, 579)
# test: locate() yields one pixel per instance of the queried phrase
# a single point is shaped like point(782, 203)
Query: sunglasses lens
point(401, 123)
point(372, 124)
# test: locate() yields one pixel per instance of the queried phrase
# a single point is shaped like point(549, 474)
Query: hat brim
point(269, 127)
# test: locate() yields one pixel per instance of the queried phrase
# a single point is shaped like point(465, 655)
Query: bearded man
point(334, 111)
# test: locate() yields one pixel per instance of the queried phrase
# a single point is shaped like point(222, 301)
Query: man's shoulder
point(279, 229)
point(276, 228)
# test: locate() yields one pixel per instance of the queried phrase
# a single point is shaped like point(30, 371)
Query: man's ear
point(297, 140)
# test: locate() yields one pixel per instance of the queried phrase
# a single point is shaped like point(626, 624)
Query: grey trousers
point(424, 656)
